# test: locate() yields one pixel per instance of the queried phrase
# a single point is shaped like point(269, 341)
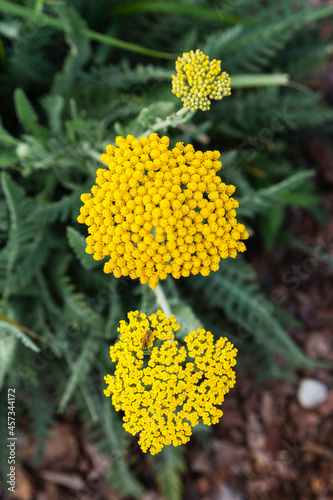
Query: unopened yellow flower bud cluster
point(164, 397)
point(198, 80)
point(159, 211)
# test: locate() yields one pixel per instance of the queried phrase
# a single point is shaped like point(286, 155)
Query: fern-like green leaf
point(26, 114)
point(169, 465)
point(119, 473)
point(123, 76)
point(79, 50)
point(41, 408)
point(8, 343)
point(36, 256)
point(8, 330)
point(245, 304)
point(60, 210)
point(263, 199)
point(115, 313)
point(256, 46)
point(272, 109)
point(270, 225)
point(78, 245)
point(185, 317)
point(76, 308)
point(155, 117)
point(219, 42)
point(81, 366)
point(6, 139)
point(7, 159)
point(53, 106)
point(22, 225)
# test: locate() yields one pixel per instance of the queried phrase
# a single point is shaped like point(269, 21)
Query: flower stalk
point(162, 300)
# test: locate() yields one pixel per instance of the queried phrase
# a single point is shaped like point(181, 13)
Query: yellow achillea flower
point(198, 80)
point(166, 394)
point(157, 211)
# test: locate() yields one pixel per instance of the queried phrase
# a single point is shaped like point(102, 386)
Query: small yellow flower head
point(157, 211)
point(198, 80)
point(166, 394)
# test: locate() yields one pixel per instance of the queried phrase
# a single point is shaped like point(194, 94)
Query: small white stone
point(311, 393)
point(226, 492)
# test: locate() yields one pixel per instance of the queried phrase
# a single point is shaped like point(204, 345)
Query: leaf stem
point(162, 300)
point(258, 80)
point(42, 19)
point(23, 328)
point(180, 116)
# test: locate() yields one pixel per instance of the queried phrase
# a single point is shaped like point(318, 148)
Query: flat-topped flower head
point(165, 394)
point(157, 211)
point(198, 80)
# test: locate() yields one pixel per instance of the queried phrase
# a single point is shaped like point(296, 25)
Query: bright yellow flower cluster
point(157, 211)
point(198, 80)
point(166, 394)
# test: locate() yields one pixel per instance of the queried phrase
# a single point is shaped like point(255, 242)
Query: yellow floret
point(162, 399)
point(198, 80)
point(174, 206)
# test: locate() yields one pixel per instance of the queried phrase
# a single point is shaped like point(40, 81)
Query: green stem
point(95, 155)
point(43, 19)
point(86, 395)
point(132, 47)
point(23, 328)
point(259, 80)
point(248, 80)
point(237, 81)
point(181, 116)
point(162, 300)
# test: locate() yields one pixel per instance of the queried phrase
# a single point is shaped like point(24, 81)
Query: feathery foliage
point(169, 466)
point(244, 303)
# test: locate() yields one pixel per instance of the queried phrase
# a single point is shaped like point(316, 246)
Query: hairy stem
point(162, 300)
